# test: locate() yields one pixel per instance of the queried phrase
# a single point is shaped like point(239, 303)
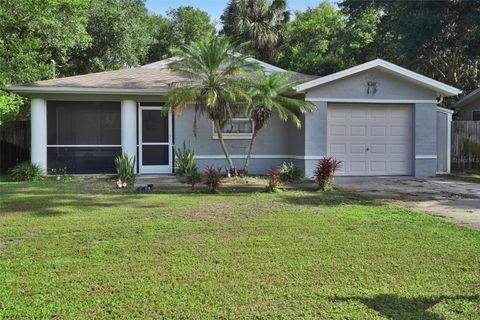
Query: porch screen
point(83, 136)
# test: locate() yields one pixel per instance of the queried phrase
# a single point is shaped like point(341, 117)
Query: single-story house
point(468, 108)
point(378, 118)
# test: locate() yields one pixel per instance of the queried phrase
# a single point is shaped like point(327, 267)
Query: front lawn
point(81, 249)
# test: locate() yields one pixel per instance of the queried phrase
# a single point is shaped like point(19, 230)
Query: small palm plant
point(185, 160)
point(215, 84)
point(125, 169)
point(274, 94)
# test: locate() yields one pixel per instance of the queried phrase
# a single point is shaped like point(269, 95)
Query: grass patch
point(81, 249)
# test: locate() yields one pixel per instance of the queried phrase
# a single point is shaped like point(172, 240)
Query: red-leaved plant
point(212, 178)
point(274, 179)
point(325, 171)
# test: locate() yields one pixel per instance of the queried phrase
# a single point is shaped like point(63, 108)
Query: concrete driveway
point(446, 197)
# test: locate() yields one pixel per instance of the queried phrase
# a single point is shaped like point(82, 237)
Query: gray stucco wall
point(277, 142)
point(388, 87)
point(315, 137)
point(297, 138)
point(465, 112)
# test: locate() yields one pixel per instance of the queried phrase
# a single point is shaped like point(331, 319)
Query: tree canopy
point(33, 33)
point(182, 26)
point(83, 36)
point(260, 23)
point(436, 38)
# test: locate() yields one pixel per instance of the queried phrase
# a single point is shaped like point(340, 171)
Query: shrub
point(192, 178)
point(213, 177)
point(185, 160)
point(325, 171)
point(26, 171)
point(61, 173)
point(274, 180)
point(125, 169)
point(289, 172)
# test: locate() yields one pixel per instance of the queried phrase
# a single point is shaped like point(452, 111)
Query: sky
point(215, 7)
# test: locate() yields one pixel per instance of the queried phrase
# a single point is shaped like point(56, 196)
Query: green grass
point(81, 249)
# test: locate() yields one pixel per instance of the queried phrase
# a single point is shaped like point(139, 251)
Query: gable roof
point(469, 97)
point(150, 79)
point(388, 67)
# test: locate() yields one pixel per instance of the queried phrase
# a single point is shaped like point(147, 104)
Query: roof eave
point(441, 88)
point(80, 90)
point(469, 97)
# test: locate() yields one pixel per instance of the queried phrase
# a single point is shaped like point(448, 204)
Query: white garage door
point(371, 139)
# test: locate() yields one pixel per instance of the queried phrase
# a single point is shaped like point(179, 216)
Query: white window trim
point(232, 136)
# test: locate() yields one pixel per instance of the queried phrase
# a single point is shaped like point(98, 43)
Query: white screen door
point(155, 140)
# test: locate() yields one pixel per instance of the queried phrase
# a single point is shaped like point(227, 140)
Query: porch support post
point(39, 133)
point(129, 129)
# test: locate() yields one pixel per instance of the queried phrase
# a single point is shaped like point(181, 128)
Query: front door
point(155, 140)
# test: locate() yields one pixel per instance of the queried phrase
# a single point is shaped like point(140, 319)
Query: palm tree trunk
point(250, 149)
point(222, 144)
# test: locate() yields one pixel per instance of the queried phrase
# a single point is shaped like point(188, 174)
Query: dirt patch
point(4, 243)
point(453, 199)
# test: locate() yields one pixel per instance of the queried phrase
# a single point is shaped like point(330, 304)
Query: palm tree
point(214, 85)
point(258, 22)
point(274, 94)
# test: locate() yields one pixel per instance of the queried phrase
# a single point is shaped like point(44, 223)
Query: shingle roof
point(469, 97)
point(151, 78)
point(133, 78)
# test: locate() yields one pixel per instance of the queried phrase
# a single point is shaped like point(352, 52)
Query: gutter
point(79, 90)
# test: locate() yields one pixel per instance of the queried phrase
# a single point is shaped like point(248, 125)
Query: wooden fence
point(14, 144)
point(465, 145)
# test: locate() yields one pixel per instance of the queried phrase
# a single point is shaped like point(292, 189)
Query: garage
point(371, 139)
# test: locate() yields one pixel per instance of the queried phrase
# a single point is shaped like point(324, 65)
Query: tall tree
point(437, 38)
point(33, 33)
point(261, 23)
point(215, 84)
point(322, 41)
point(81, 36)
point(274, 94)
point(120, 33)
point(182, 26)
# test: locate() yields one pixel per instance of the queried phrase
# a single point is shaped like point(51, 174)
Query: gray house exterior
point(468, 108)
point(378, 118)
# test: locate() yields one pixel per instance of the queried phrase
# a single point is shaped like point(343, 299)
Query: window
point(83, 136)
point(83, 123)
point(238, 128)
point(476, 115)
point(83, 160)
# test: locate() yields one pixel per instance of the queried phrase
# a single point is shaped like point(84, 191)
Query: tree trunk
point(250, 149)
point(222, 144)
